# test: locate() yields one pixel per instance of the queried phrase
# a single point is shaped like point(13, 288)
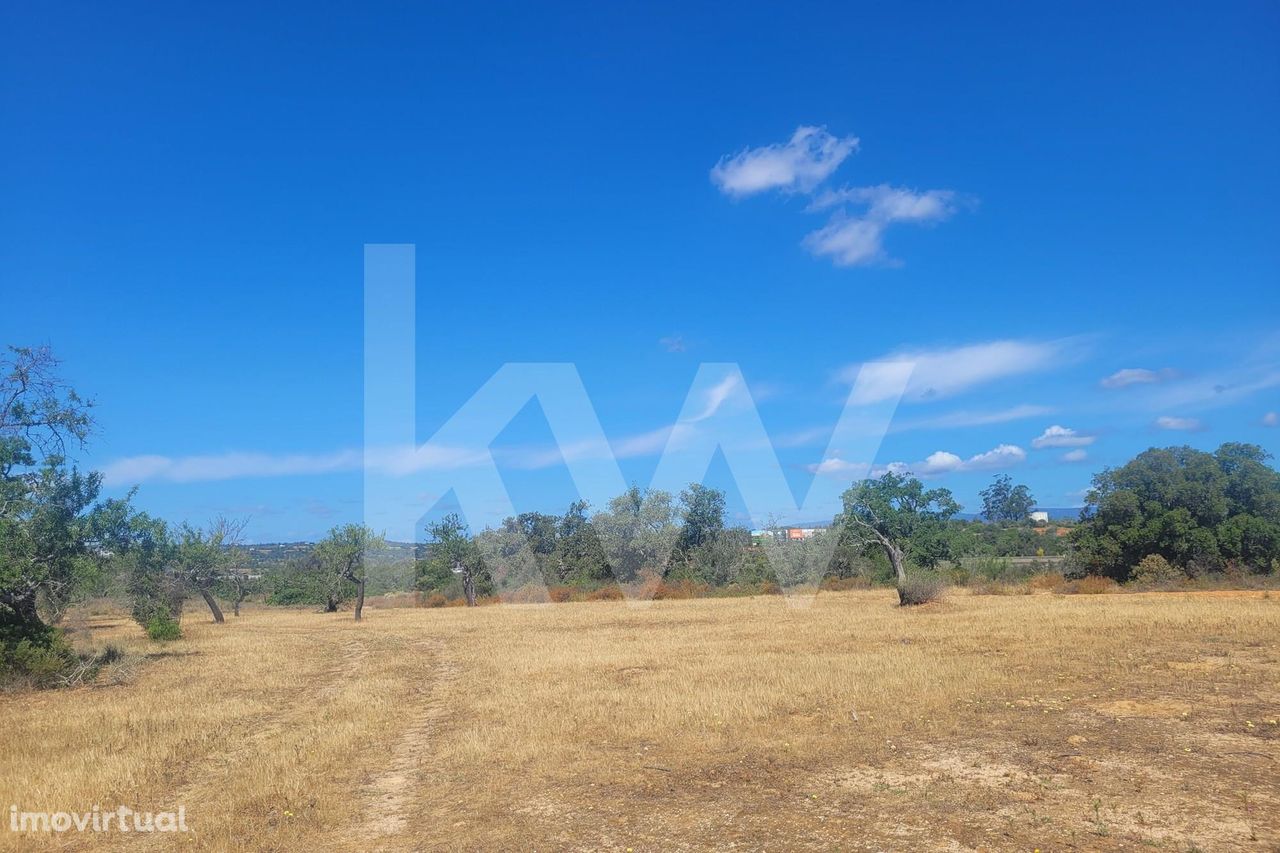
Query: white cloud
point(1173, 423)
point(1136, 376)
point(1060, 436)
point(936, 464)
point(853, 240)
point(1002, 456)
point(1077, 455)
point(237, 465)
point(945, 373)
point(1271, 419)
point(717, 395)
point(800, 164)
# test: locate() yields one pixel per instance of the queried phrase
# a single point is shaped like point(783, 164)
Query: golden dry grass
point(1010, 722)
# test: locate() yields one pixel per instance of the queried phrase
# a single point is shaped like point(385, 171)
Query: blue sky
point(1025, 202)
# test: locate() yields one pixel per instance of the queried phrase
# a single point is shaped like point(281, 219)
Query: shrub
point(1155, 570)
point(1052, 581)
point(1001, 588)
point(435, 599)
point(162, 627)
point(561, 594)
point(990, 568)
point(845, 584)
point(919, 589)
point(605, 593)
point(680, 589)
point(1091, 585)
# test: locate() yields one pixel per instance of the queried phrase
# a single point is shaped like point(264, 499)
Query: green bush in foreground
point(163, 627)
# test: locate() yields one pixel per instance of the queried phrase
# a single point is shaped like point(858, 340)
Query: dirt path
point(388, 796)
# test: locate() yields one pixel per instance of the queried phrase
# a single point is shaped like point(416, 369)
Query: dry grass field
point(1100, 722)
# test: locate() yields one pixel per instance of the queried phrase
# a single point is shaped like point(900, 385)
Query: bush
point(1052, 581)
point(162, 627)
point(680, 589)
point(605, 593)
point(845, 584)
point(435, 599)
point(561, 594)
point(991, 568)
point(1091, 585)
point(919, 589)
point(1000, 588)
point(1155, 570)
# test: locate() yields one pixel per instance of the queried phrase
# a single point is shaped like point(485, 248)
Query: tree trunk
point(469, 588)
point(331, 605)
point(213, 606)
point(359, 598)
point(27, 614)
point(895, 557)
point(235, 604)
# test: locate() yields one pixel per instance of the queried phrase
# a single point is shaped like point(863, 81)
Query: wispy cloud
point(237, 465)
point(1223, 388)
point(1271, 419)
point(854, 239)
point(1137, 376)
point(1060, 436)
point(854, 234)
point(964, 418)
point(1170, 422)
point(1077, 455)
point(798, 165)
point(944, 373)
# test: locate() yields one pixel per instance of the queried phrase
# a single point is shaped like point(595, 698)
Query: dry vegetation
point(1090, 722)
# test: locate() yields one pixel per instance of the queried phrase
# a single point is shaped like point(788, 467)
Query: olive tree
point(897, 515)
point(344, 555)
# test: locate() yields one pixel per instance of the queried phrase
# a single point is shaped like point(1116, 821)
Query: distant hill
point(266, 554)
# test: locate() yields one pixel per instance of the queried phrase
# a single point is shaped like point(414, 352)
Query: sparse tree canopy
point(1199, 511)
point(452, 555)
point(343, 555)
point(1004, 501)
point(47, 507)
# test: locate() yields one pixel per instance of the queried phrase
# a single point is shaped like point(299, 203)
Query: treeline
point(1168, 516)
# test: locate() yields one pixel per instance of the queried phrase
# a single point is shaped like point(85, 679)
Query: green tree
point(896, 515)
point(47, 506)
point(638, 532)
point(344, 555)
point(579, 556)
point(1004, 501)
point(452, 555)
point(702, 514)
point(1199, 511)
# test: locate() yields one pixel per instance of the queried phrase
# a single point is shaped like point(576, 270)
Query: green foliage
point(453, 562)
point(896, 515)
point(1154, 570)
point(162, 627)
point(36, 662)
point(49, 513)
point(1003, 501)
point(1200, 511)
point(638, 533)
